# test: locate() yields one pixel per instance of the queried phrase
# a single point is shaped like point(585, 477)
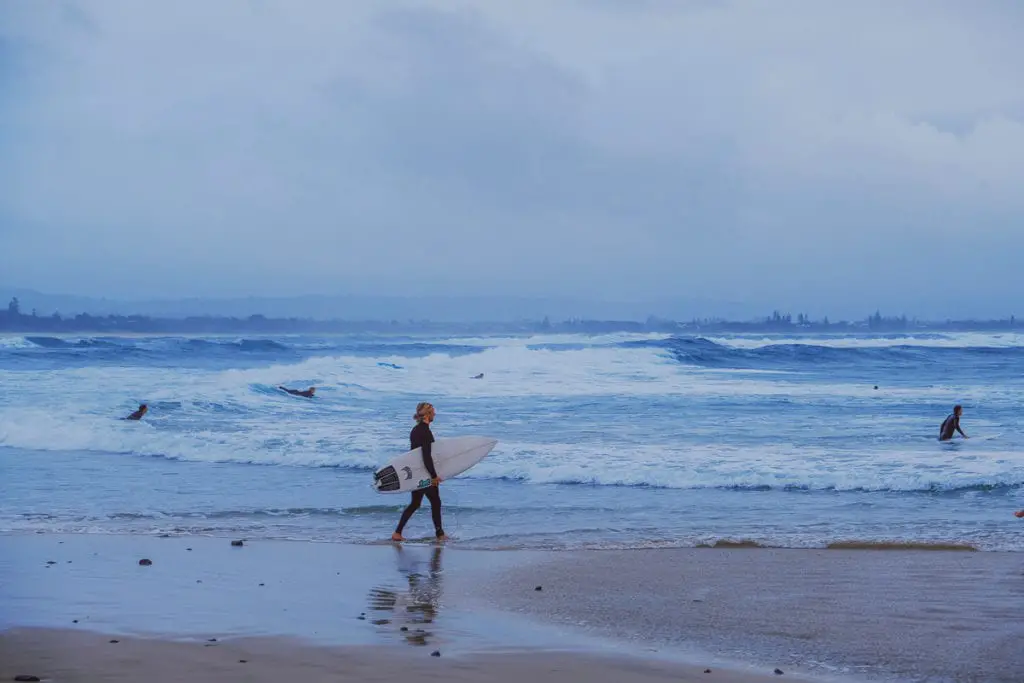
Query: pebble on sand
point(242, 661)
point(145, 563)
point(539, 588)
point(26, 678)
point(707, 671)
point(114, 642)
point(435, 653)
point(237, 544)
point(778, 672)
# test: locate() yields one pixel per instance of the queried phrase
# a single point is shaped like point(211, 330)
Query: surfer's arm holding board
point(423, 437)
point(428, 462)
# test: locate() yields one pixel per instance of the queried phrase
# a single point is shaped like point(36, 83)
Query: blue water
point(610, 441)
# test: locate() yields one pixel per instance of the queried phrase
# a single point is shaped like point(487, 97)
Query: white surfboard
point(452, 457)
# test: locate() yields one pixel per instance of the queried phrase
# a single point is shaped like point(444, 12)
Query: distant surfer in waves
point(137, 415)
point(308, 393)
point(422, 437)
point(951, 425)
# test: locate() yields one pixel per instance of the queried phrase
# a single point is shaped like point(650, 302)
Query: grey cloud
point(782, 152)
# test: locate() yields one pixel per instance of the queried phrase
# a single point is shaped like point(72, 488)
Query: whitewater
point(604, 441)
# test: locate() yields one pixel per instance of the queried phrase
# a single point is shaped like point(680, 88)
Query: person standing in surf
point(421, 437)
point(952, 425)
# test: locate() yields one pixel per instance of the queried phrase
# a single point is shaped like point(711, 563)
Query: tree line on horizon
point(14, 320)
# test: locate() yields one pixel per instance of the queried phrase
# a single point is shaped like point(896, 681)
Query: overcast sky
point(806, 154)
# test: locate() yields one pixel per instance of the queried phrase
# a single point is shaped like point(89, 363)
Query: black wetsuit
point(422, 437)
point(949, 426)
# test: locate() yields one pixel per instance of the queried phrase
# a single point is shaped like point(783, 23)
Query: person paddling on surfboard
point(308, 393)
point(421, 437)
point(952, 425)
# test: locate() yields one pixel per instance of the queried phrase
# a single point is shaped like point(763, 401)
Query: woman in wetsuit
point(422, 437)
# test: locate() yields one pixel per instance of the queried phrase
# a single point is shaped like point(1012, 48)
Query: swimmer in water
point(137, 415)
point(952, 425)
point(308, 393)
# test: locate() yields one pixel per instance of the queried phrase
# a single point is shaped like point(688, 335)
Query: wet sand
point(886, 614)
point(320, 611)
point(294, 611)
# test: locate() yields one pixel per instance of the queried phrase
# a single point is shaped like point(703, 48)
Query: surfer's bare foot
point(397, 537)
point(442, 538)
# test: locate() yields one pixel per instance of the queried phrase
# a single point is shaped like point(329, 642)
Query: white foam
point(867, 341)
point(8, 342)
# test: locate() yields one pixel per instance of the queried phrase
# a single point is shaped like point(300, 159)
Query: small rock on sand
point(778, 672)
point(404, 628)
point(435, 653)
point(114, 642)
point(539, 588)
point(26, 678)
point(145, 563)
point(212, 640)
point(237, 544)
point(707, 671)
point(74, 621)
point(242, 661)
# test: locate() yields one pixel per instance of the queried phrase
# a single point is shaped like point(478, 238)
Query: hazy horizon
point(827, 158)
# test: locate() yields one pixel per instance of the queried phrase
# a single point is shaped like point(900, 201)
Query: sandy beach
point(322, 611)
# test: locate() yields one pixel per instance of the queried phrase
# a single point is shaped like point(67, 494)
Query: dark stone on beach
point(74, 621)
point(778, 672)
point(243, 661)
point(707, 671)
point(261, 584)
point(212, 640)
point(114, 642)
point(539, 588)
point(145, 563)
point(435, 653)
point(404, 628)
point(27, 679)
point(237, 544)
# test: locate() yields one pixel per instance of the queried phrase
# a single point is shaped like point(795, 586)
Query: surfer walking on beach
point(952, 425)
point(421, 437)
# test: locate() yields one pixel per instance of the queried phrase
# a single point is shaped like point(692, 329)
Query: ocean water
point(604, 441)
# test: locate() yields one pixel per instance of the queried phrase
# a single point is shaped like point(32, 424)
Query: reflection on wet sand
point(414, 606)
